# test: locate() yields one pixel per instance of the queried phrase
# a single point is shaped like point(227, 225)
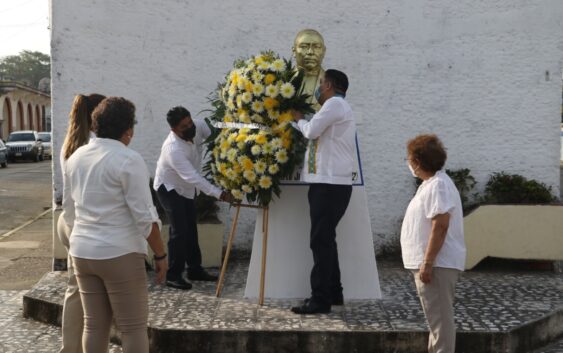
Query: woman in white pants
point(432, 241)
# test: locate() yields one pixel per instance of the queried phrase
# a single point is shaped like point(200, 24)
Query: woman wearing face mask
point(108, 205)
point(432, 240)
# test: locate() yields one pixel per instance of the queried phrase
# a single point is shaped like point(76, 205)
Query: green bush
point(505, 188)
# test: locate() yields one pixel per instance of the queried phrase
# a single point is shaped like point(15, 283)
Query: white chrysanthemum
point(232, 137)
point(272, 91)
point(287, 90)
point(258, 106)
point(260, 167)
point(247, 189)
point(267, 149)
point(273, 169)
point(249, 175)
point(232, 155)
point(257, 89)
point(257, 77)
point(231, 174)
point(244, 118)
point(265, 182)
point(264, 66)
point(246, 97)
point(223, 155)
point(257, 119)
point(241, 145)
point(230, 104)
point(276, 143)
point(239, 101)
point(237, 194)
point(256, 150)
point(232, 90)
point(273, 114)
point(281, 156)
point(278, 65)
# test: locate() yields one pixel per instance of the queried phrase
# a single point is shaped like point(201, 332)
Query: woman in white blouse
point(432, 240)
point(108, 205)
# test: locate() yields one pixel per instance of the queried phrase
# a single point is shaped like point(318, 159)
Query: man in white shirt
point(176, 180)
point(329, 167)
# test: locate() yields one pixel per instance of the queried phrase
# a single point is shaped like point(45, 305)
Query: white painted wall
point(483, 75)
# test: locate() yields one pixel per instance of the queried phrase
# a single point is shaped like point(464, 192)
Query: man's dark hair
point(112, 117)
point(176, 114)
point(338, 79)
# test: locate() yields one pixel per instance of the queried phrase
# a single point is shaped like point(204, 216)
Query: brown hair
point(112, 117)
point(429, 151)
point(80, 122)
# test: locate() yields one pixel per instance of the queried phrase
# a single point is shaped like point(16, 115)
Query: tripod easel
point(265, 214)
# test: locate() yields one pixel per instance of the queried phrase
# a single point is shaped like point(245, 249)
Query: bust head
point(309, 50)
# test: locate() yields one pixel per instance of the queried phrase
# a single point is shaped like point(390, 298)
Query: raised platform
point(496, 311)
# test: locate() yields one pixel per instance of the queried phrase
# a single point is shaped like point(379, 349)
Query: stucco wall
point(484, 76)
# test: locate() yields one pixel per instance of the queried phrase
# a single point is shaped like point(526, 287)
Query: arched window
point(6, 126)
point(19, 117)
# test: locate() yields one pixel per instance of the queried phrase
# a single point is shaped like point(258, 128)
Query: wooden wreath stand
point(265, 212)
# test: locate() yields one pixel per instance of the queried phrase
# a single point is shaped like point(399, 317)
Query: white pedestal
point(289, 258)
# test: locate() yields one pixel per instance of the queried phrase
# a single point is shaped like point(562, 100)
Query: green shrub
point(505, 188)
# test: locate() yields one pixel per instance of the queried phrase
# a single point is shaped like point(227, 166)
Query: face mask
point(413, 171)
point(318, 93)
point(189, 133)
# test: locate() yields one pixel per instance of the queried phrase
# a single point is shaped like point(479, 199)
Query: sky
point(24, 25)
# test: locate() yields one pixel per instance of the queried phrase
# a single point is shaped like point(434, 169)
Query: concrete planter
point(210, 236)
point(528, 232)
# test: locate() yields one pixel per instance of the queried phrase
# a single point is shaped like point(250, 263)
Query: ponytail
point(80, 122)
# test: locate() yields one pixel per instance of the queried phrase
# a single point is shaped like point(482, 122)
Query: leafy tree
point(28, 67)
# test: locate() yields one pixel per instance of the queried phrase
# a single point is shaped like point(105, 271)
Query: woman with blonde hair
point(79, 133)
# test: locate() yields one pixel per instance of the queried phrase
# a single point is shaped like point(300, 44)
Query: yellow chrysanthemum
point(273, 169)
point(259, 60)
point(260, 167)
point(230, 104)
point(286, 142)
point(258, 106)
point(256, 150)
point(237, 194)
point(241, 145)
point(247, 164)
point(237, 168)
point(285, 117)
point(241, 138)
point(269, 79)
point(247, 188)
point(265, 182)
point(248, 86)
point(232, 137)
point(278, 65)
point(287, 90)
point(228, 118)
point(225, 145)
point(273, 114)
point(281, 156)
point(249, 175)
point(270, 103)
point(231, 174)
point(261, 139)
point(272, 91)
point(241, 83)
point(222, 168)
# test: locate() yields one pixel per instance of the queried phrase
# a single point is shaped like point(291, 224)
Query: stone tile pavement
point(487, 300)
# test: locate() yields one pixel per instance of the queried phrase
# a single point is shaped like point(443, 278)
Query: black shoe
point(311, 307)
point(201, 275)
point(337, 300)
point(179, 284)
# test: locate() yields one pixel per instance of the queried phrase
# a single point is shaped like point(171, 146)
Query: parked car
point(47, 147)
point(25, 144)
point(3, 155)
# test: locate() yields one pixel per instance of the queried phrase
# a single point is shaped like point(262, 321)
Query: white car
point(47, 147)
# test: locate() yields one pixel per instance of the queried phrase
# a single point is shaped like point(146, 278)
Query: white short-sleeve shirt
point(437, 195)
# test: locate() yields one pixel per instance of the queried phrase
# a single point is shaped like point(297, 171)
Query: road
point(25, 193)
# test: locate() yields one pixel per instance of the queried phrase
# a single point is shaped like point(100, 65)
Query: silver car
point(3, 155)
point(46, 140)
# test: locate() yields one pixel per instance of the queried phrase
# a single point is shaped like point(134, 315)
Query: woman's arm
point(155, 242)
point(440, 224)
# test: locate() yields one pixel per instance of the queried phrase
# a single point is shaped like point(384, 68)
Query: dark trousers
point(183, 246)
point(327, 205)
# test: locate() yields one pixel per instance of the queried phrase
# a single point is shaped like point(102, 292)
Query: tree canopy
point(28, 67)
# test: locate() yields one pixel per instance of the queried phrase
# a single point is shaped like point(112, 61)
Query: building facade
point(23, 108)
point(484, 76)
